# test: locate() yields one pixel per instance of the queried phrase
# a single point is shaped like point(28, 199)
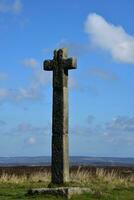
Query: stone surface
point(67, 192)
point(60, 65)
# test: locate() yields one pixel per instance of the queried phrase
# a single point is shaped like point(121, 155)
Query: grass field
point(104, 185)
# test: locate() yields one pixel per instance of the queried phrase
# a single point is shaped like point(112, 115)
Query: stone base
point(67, 192)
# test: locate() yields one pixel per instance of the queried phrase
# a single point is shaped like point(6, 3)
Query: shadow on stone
point(66, 192)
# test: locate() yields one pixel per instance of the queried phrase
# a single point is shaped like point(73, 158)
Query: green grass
point(104, 186)
point(18, 192)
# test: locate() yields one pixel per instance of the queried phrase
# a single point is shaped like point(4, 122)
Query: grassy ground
point(104, 186)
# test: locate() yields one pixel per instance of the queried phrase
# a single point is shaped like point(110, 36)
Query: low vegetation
point(103, 184)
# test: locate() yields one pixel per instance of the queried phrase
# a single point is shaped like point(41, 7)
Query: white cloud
point(29, 128)
point(33, 91)
point(111, 38)
point(31, 141)
point(116, 131)
point(40, 78)
point(27, 94)
point(20, 94)
point(121, 124)
point(26, 128)
point(15, 7)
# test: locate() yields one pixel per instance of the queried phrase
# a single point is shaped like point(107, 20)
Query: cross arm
point(69, 63)
point(48, 65)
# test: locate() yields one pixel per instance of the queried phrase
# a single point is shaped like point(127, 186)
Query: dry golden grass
point(81, 177)
point(103, 183)
point(103, 177)
point(36, 177)
point(5, 178)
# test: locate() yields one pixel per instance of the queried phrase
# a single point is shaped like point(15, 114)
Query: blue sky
point(100, 34)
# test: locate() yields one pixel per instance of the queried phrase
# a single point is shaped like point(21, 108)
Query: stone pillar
point(60, 156)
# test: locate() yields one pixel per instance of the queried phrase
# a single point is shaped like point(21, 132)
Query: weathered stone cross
point(60, 65)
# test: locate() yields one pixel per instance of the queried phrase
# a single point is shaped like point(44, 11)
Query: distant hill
point(74, 160)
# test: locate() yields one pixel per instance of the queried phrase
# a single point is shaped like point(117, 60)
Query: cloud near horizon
point(114, 133)
point(113, 39)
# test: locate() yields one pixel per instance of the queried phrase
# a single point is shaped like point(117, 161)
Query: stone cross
point(60, 65)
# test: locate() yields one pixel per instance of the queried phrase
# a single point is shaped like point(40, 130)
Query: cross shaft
point(60, 65)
